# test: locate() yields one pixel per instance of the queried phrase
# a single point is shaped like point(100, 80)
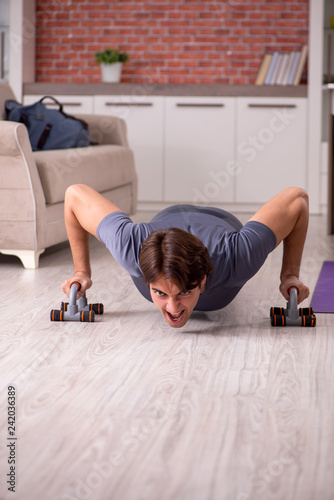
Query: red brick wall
point(168, 41)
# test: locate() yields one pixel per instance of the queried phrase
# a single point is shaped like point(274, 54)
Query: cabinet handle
point(55, 105)
point(198, 105)
point(272, 105)
point(128, 103)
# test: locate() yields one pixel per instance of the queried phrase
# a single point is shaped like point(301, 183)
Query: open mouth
point(176, 318)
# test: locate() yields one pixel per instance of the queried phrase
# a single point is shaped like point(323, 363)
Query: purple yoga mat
point(323, 296)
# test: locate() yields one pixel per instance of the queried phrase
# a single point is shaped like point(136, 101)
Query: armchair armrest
point(22, 201)
point(106, 129)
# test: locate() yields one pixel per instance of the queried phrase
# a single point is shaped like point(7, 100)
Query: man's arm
point(84, 210)
point(287, 215)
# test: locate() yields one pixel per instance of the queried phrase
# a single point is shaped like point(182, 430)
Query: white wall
point(21, 44)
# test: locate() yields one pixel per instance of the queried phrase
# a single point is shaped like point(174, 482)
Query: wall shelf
point(210, 90)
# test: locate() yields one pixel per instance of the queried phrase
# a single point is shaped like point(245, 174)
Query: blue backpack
point(49, 128)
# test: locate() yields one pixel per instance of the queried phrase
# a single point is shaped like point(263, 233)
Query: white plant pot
point(111, 73)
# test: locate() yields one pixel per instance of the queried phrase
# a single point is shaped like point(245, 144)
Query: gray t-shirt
point(237, 252)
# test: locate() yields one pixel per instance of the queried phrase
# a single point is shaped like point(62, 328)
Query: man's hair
point(178, 256)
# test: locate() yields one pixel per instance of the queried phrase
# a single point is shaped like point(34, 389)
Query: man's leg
point(84, 210)
point(287, 215)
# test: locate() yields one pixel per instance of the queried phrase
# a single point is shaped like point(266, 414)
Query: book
point(260, 77)
point(293, 68)
point(288, 67)
point(271, 69)
point(283, 69)
point(301, 65)
point(277, 70)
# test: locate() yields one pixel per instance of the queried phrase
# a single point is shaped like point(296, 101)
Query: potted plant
point(111, 61)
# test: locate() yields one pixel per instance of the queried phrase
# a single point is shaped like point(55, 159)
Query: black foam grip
point(97, 308)
point(56, 315)
point(306, 311)
point(309, 320)
point(278, 320)
point(87, 316)
point(276, 310)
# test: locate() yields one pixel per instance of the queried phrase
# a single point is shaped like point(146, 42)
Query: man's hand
point(289, 281)
point(82, 278)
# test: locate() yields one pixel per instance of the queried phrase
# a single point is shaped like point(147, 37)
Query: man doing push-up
point(188, 257)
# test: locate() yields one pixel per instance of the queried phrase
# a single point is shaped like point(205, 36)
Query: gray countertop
point(201, 90)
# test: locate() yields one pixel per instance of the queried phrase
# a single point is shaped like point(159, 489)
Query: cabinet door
point(271, 147)
point(72, 104)
point(144, 119)
point(199, 150)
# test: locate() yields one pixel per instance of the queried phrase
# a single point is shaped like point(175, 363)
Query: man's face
point(175, 306)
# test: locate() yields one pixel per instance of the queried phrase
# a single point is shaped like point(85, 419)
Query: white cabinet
point(199, 150)
point(271, 147)
point(144, 119)
point(72, 104)
point(233, 152)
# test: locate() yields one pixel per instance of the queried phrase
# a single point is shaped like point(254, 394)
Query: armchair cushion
point(101, 167)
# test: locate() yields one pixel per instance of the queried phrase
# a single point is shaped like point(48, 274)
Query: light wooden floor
point(127, 408)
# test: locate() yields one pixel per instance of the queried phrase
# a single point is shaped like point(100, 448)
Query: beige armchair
point(33, 184)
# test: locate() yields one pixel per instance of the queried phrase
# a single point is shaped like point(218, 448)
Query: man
point(188, 257)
